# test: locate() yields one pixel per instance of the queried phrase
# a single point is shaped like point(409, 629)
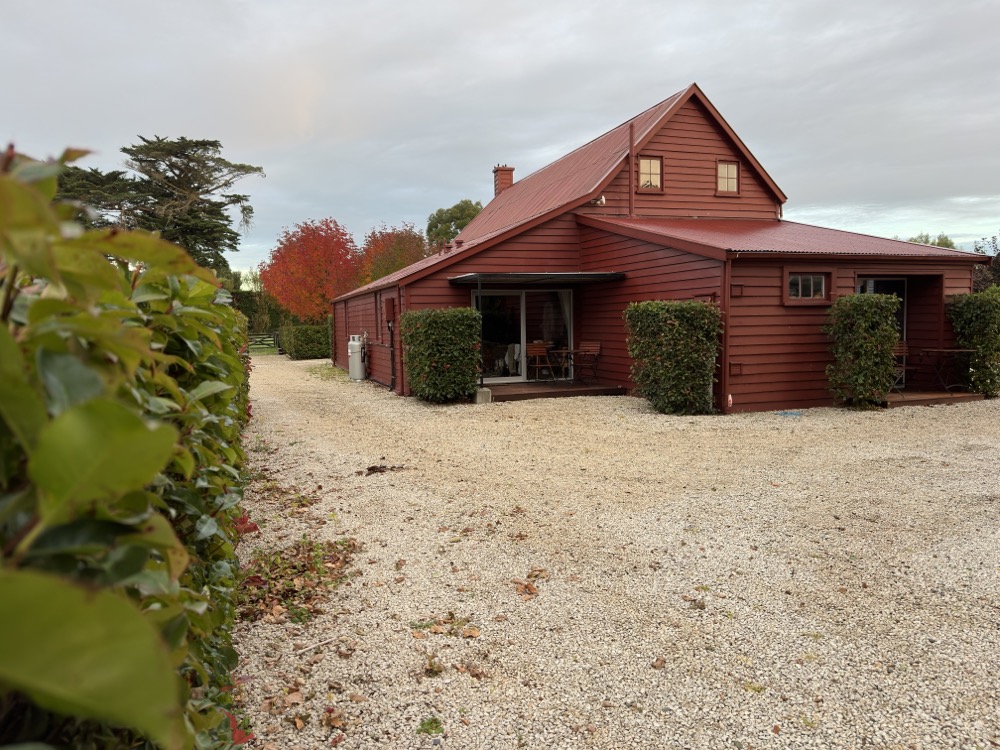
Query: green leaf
point(67, 380)
point(21, 407)
point(94, 451)
point(157, 532)
point(208, 388)
point(87, 653)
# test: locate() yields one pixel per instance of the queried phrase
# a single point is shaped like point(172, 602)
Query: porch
point(549, 389)
point(929, 398)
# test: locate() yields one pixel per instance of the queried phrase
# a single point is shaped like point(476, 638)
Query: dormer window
point(728, 178)
point(650, 173)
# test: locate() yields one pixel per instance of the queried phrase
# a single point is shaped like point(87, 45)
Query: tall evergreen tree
point(181, 188)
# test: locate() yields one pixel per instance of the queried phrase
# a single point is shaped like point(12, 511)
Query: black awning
point(534, 279)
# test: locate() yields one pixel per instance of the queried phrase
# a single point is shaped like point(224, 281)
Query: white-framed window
point(650, 173)
point(727, 178)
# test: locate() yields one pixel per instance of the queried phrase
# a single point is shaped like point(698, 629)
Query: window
point(650, 173)
point(811, 286)
point(728, 178)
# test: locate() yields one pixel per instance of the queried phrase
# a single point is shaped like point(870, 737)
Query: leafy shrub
point(122, 402)
point(864, 333)
point(976, 320)
point(674, 346)
point(306, 342)
point(442, 352)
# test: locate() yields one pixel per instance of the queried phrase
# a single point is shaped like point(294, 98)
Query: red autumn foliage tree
point(314, 262)
point(388, 249)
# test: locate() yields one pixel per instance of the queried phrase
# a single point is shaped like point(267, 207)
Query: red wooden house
point(668, 205)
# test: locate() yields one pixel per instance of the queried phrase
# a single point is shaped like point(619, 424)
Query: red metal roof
point(759, 236)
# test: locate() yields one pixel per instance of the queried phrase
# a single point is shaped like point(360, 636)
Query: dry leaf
point(471, 632)
point(356, 698)
point(418, 634)
point(659, 662)
point(293, 697)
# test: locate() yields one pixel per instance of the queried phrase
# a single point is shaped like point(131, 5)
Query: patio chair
point(585, 357)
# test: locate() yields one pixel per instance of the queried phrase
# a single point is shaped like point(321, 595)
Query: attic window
point(728, 173)
point(651, 173)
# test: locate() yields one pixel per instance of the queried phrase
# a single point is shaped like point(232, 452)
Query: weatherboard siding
point(690, 144)
point(777, 354)
point(652, 272)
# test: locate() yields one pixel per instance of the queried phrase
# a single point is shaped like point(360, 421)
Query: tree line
point(183, 189)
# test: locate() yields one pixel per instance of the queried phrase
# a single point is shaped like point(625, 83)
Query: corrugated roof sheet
point(759, 236)
point(565, 181)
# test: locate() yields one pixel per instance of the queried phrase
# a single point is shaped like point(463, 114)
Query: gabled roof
point(582, 174)
point(714, 236)
point(565, 184)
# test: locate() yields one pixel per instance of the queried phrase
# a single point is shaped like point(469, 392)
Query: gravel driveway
point(585, 573)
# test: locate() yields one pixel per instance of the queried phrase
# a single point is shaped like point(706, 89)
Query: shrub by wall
point(122, 401)
point(306, 342)
point(976, 320)
point(864, 333)
point(674, 346)
point(442, 352)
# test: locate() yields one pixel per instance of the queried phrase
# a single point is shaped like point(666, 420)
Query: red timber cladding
point(339, 343)
point(691, 143)
point(552, 247)
point(778, 354)
point(653, 272)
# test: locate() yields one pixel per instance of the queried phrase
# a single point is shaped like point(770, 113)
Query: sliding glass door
point(511, 319)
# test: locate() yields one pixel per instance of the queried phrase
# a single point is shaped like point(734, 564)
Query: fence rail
point(264, 340)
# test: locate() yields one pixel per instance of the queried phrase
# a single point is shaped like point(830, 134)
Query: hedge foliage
point(306, 342)
point(674, 346)
point(864, 333)
point(442, 352)
point(122, 401)
point(976, 320)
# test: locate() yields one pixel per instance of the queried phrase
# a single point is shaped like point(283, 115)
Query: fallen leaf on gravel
point(333, 718)
point(538, 574)
point(292, 698)
point(471, 632)
point(659, 662)
point(399, 564)
point(299, 723)
point(776, 729)
point(418, 634)
point(500, 618)
point(357, 698)
point(399, 579)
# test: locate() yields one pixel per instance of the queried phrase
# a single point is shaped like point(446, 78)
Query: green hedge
point(306, 342)
point(442, 352)
point(864, 333)
point(122, 402)
point(976, 320)
point(674, 347)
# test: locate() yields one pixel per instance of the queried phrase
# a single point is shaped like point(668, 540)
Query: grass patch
point(326, 372)
point(430, 725)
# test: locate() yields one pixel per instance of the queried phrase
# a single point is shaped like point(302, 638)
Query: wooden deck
point(547, 389)
point(929, 398)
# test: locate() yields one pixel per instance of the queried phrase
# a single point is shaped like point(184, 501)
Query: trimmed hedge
point(306, 342)
point(864, 333)
point(674, 346)
point(122, 402)
point(976, 320)
point(442, 352)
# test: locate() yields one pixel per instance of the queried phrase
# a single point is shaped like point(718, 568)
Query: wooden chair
point(538, 362)
point(585, 357)
point(901, 353)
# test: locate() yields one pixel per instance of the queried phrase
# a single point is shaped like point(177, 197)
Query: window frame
point(638, 167)
point(739, 177)
point(829, 281)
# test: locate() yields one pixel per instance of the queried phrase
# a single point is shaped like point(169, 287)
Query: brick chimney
point(503, 178)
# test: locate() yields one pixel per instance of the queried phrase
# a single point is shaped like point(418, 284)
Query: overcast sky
point(878, 116)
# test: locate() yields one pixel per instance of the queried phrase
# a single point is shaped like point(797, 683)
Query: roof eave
point(656, 238)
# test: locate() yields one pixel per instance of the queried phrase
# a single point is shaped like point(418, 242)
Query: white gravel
point(810, 579)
